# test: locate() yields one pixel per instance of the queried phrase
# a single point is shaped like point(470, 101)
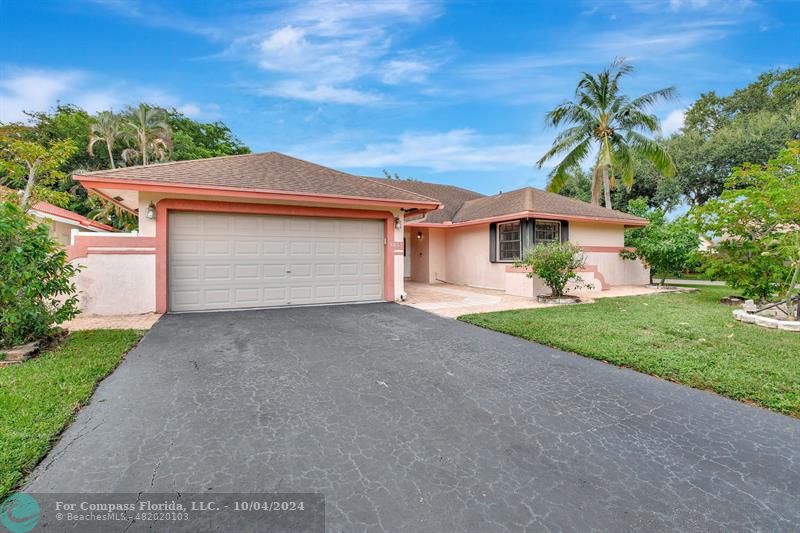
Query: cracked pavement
point(411, 422)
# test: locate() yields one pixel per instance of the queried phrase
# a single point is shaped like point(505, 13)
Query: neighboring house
point(62, 221)
point(262, 230)
point(475, 239)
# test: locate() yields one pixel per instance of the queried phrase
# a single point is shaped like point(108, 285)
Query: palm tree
point(106, 127)
point(602, 119)
point(149, 133)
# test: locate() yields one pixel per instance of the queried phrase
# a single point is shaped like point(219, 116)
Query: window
point(547, 231)
point(509, 241)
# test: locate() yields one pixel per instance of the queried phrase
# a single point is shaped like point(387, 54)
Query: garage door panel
point(326, 270)
point(243, 247)
point(273, 272)
point(217, 247)
point(276, 248)
point(220, 261)
point(186, 247)
point(301, 248)
point(220, 225)
point(217, 272)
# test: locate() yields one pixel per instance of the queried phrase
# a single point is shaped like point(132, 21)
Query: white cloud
point(40, 90)
point(299, 90)
point(34, 90)
point(319, 50)
point(458, 149)
point(405, 71)
point(673, 122)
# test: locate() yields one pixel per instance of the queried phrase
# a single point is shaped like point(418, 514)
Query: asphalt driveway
point(411, 422)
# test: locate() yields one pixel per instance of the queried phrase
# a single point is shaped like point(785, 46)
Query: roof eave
point(94, 183)
point(533, 214)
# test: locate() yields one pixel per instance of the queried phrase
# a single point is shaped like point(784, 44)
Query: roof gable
point(451, 197)
point(531, 200)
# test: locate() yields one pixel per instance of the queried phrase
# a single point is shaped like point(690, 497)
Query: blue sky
point(445, 92)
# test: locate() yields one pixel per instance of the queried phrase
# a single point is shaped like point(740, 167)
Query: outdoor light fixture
point(397, 223)
point(419, 235)
point(151, 211)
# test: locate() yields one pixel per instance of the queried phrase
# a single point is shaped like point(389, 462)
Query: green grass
point(689, 338)
point(39, 398)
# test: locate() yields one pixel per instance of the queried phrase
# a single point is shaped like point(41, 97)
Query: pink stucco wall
point(587, 234)
point(460, 255)
point(467, 261)
point(116, 284)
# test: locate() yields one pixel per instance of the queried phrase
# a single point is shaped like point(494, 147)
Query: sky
point(448, 92)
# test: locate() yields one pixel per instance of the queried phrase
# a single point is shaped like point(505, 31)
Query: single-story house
point(475, 239)
point(263, 230)
point(61, 221)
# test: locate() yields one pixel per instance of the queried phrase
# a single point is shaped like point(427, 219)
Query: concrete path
point(411, 422)
point(453, 301)
point(81, 322)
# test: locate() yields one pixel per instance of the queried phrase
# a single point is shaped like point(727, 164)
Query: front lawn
point(39, 398)
point(689, 338)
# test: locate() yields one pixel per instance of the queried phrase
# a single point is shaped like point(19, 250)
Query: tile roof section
point(50, 209)
point(450, 196)
point(45, 207)
point(533, 200)
point(271, 171)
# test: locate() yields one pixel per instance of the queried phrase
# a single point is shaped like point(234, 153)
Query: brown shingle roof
point(269, 171)
point(462, 205)
point(450, 196)
point(533, 200)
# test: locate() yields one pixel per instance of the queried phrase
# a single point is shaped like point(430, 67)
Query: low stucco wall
point(110, 284)
point(618, 271)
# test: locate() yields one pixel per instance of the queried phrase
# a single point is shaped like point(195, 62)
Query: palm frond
point(565, 145)
point(648, 100)
point(652, 151)
point(560, 175)
point(634, 119)
point(623, 164)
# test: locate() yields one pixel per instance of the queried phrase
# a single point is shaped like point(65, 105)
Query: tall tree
point(197, 140)
point(105, 128)
point(31, 161)
point(602, 119)
point(149, 133)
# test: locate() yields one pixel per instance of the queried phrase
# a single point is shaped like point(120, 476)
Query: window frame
point(500, 240)
point(559, 234)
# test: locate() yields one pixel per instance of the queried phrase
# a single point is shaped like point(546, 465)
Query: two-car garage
point(239, 261)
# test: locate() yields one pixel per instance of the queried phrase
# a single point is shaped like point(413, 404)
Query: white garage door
point(230, 261)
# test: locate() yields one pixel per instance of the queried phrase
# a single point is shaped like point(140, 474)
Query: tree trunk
point(143, 145)
point(792, 283)
point(110, 153)
point(606, 187)
point(26, 194)
point(597, 185)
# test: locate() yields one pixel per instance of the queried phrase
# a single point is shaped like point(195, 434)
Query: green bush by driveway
point(689, 338)
point(39, 398)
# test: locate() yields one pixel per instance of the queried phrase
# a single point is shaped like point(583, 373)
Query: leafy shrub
point(555, 264)
point(667, 247)
point(36, 289)
point(754, 226)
